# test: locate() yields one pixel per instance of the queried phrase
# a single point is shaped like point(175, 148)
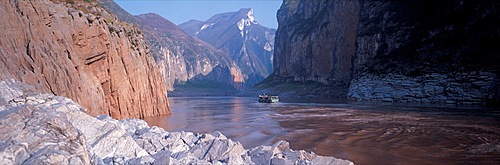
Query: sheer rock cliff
point(78, 50)
point(380, 47)
point(316, 40)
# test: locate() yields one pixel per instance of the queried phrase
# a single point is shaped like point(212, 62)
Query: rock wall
point(334, 42)
point(428, 36)
point(78, 50)
point(47, 129)
point(316, 40)
point(457, 88)
point(427, 51)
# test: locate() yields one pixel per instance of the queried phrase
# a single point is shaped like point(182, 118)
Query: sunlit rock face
point(181, 56)
point(249, 44)
point(78, 50)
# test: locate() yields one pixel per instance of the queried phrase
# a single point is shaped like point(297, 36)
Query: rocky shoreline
point(458, 88)
point(47, 129)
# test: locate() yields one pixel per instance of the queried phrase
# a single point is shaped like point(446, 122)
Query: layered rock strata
point(78, 50)
point(460, 88)
point(47, 129)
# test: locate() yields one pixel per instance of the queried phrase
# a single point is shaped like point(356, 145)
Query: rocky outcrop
point(249, 44)
point(181, 56)
point(78, 50)
point(316, 40)
point(47, 129)
point(458, 88)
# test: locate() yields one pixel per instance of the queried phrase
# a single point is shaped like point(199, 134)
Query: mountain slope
point(248, 43)
point(183, 57)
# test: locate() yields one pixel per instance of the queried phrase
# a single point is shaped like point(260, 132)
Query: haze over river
point(365, 133)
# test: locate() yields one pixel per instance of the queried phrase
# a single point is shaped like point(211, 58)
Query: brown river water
point(365, 133)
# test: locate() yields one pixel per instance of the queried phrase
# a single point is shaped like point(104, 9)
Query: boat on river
point(268, 99)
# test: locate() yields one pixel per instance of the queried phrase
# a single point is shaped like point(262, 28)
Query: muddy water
point(363, 133)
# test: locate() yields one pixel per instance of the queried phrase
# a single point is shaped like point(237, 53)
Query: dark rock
point(316, 40)
point(344, 41)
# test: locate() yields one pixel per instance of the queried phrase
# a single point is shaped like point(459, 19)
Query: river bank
point(46, 129)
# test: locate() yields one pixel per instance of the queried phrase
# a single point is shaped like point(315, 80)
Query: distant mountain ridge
point(229, 48)
point(250, 44)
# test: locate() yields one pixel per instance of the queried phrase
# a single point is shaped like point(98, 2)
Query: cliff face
point(316, 40)
point(409, 51)
point(181, 56)
point(87, 55)
point(249, 44)
point(431, 51)
point(403, 36)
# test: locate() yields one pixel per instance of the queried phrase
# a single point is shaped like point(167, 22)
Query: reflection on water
point(363, 133)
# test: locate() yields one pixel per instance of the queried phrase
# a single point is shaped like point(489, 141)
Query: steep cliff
point(428, 51)
point(78, 50)
point(417, 37)
point(410, 51)
point(182, 57)
point(249, 44)
point(316, 40)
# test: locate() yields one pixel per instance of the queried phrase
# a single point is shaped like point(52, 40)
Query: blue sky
point(180, 11)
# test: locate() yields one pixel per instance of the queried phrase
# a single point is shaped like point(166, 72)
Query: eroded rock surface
point(47, 129)
point(80, 51)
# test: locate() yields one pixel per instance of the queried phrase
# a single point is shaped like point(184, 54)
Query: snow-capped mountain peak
point(249, 44)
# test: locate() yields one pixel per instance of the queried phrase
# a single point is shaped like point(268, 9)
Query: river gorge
point(365, 133)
